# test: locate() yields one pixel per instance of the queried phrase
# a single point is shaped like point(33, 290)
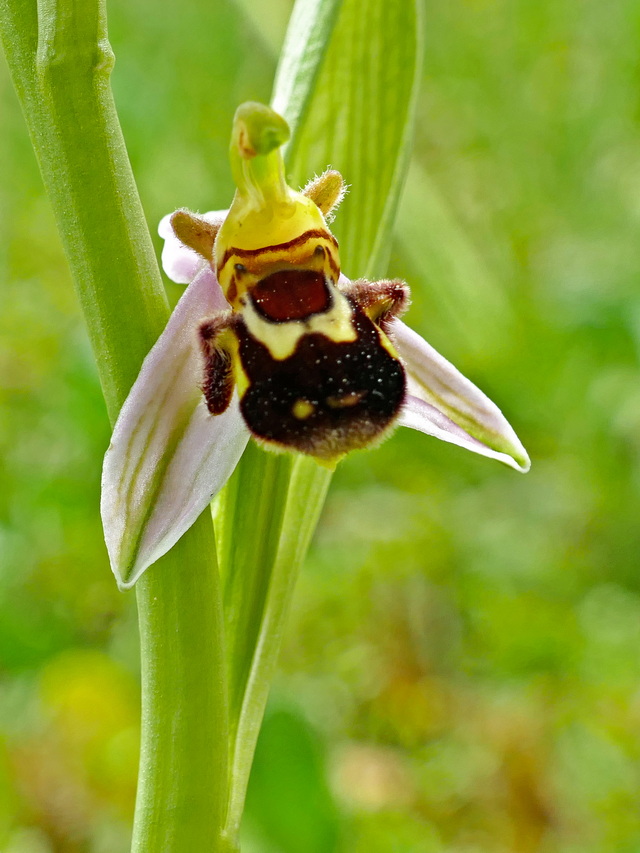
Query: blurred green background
point(461, 669)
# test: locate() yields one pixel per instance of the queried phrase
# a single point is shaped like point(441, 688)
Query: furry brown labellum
point(306, 350)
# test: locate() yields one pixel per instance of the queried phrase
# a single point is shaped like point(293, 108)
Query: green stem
point(181, 801)
point(259, 577)
point(60, 61)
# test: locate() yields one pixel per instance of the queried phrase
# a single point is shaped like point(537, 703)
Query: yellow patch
point(345, 401)
point(229, 343)
point(238, 272)
point(250, 227)
point(386, 343)
point(302, 409)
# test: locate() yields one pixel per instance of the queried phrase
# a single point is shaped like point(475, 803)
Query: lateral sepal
point(168, 456)
point(444, 403)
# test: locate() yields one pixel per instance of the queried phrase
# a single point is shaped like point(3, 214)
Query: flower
point(169, 456)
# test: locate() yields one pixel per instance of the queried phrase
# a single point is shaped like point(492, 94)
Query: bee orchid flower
point(240, 359)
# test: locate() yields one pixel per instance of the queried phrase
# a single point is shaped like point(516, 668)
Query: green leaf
point(303, 53)
point(463, 288)
point(360, 120)
point(347, 84)
point(288, 797)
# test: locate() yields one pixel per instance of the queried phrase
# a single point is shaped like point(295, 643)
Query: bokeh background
point(461, 669)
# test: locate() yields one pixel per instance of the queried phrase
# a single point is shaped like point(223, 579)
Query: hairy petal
point(168, 456)
point(444, 403)
point(180, 262)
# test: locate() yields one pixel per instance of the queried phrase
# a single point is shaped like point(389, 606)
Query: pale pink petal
point(426, 418)
point(444, 403)
point(180, 262)
point(168, 456)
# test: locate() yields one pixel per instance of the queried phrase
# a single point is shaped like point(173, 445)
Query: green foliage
point(360, 116)
point(289, 799)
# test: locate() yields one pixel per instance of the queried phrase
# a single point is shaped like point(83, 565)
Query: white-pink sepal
point(168, 456)
point(444, 403)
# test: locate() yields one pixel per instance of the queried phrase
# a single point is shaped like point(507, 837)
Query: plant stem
point(181, 801)
point(259, 577)
point(60, 61)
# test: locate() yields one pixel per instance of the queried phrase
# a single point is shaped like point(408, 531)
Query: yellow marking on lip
point(256, 265)
point(346, 400)
point(281, 339)
point(297, 250)
point(302, 409)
